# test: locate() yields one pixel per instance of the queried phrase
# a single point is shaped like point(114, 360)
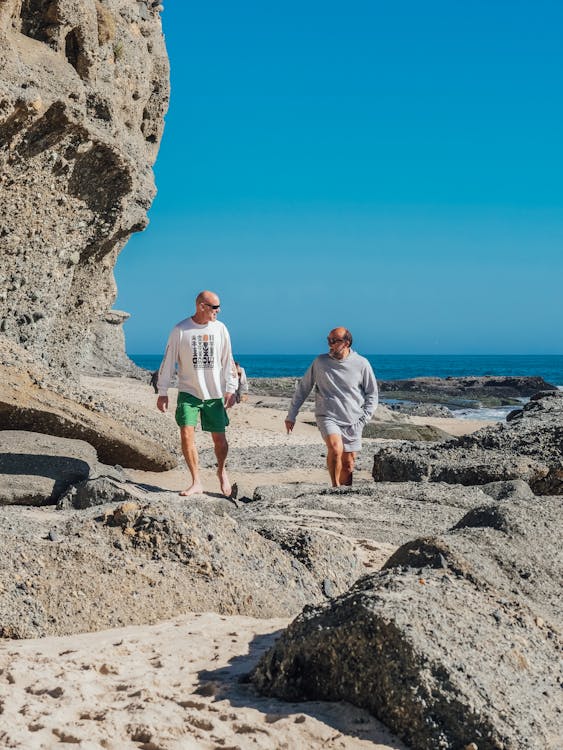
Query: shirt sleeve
point(371, 396)
point(243, 381)
point(228, 365)
point(168, 364)
point(304, 388)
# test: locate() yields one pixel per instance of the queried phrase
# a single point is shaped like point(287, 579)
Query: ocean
point(399, 366)
point(404, 366)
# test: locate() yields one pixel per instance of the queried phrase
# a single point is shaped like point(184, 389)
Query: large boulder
point(97, 490)
point(83, 93)
point(28, 403)
point(37, 469)
point(455, 644)
point(151, 558)
point(528, 447)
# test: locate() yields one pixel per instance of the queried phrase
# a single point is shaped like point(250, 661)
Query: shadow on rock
point(232, 683)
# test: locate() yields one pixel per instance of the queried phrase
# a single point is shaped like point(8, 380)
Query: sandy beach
point(172, 686)
point(175, 685)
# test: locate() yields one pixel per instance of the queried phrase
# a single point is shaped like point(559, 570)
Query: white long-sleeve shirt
point(242, 383)
point(204, 359)
point(345, 390)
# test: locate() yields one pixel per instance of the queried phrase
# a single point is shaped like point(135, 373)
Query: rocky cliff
point(83, 93)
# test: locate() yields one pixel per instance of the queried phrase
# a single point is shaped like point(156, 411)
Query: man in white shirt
point(200, 347)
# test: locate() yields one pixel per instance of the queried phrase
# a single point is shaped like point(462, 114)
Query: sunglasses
point(213, 307)
point(336, 341)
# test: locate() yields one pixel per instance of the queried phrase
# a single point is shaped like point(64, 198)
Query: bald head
point(207, 306)
point(341, 333)
point(207, 296)
point(339, 342)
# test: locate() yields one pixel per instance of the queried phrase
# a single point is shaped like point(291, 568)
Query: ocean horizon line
point(401, 366)
point(369, 354)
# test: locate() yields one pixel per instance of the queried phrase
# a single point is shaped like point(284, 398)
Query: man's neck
point(199, 319)
point(341, 355)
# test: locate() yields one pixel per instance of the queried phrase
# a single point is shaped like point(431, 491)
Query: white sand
point(171, 686)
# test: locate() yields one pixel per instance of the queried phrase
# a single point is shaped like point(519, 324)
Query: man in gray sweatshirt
point(345, 399)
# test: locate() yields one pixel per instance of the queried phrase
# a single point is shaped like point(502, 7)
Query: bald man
point(345, 399)
point(200, 347)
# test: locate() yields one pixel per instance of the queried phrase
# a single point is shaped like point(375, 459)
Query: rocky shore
point(466, 391)
point(418, 609)
point(460, 391)
point(428, 598)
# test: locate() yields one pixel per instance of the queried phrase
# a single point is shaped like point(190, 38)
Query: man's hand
point(230, 399)
point(289, 425)
point(162, 403)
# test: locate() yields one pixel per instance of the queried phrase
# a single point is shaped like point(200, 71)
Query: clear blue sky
point(394, 167)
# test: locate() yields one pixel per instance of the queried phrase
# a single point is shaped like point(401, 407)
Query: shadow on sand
point(232, 683)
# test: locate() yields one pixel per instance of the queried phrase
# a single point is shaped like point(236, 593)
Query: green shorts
point(213, 413)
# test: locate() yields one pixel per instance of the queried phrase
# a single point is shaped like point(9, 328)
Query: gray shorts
point(351, 433)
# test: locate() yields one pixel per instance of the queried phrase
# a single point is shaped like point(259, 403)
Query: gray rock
point(328, 588)
point(273, 386)
point(529, 448)
point(29, 404)
point(97, 491)
point(36, 469)
point(423, 410)
point(470, 390)
point(515, 488)
point(384, 512)
point(330, 557)
point(84, 90)
point(149, 559)
point(106, 355)
point(445, 656)
point(404, 431)
point(507, 547)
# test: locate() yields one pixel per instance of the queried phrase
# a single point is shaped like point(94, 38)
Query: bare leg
point(346, 473)
point(334, 458)
point(187, 436)
point(221, 449)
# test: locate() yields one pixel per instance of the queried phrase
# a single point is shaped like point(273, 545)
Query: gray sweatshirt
point(345, 390)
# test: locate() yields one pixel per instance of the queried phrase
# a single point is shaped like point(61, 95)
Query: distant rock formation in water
point(486, 390)
point(528, 447)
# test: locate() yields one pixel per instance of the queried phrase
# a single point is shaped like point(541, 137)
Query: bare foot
point(226, 488)
point(195, 489)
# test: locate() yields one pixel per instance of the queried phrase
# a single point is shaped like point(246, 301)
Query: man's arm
point(243, 381)
point(228, 370)
point(167, 368)
point(371, 397)
point(304, 388)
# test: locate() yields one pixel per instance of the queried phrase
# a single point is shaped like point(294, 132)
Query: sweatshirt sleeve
point(228, 364)
point(243, 381)
point(304, 388)
point(371, 397)
point(168, 364)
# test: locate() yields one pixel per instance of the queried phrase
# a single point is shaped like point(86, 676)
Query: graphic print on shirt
point(203, 351)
